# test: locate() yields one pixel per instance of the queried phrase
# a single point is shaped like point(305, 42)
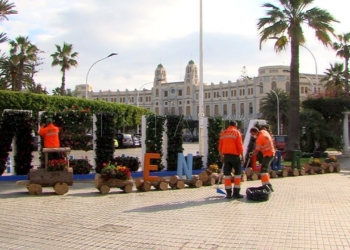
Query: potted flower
point(57, 165)
point(113, 176)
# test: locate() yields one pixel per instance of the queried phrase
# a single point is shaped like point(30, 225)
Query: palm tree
point(65, 58)
point(285, 24)
point(5, 10)
point(334, 79)
point(342, 49)
point(27, 52)
point(268, 108)
point(9, 70)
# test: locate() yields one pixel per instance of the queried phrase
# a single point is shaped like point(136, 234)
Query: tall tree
point(342, 47)
point(6, 9)
point(27, 52)
point(65, 58)
point(334, 79)
point(268, 109)
point(285, 24)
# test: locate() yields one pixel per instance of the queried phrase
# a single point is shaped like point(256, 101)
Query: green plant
point(105, 133)
point(197, 162)
point(174, 132)
point(133, 163)
point(57, 165)
point(80, 166)
point(111, 171)
point(215, 126)
point(154, 137)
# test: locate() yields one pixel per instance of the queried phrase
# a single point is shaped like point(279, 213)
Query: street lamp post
point(278, 108)
point(87, 75)
point(315, 64)
point(138, 92)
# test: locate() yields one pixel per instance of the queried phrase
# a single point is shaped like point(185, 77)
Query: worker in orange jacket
point(264, 144)
point(231, 151)
point(51, 139)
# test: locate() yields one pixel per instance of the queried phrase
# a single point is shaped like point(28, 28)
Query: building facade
point(239, 100)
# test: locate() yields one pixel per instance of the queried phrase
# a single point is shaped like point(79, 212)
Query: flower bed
point(80, 166)
point(57, 165)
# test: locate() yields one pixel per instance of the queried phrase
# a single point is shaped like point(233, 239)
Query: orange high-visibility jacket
point(264, 143)
point(231, 141)
point(50, 136)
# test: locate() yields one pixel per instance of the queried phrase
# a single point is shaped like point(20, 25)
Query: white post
point(346, 151)
point(201, 86)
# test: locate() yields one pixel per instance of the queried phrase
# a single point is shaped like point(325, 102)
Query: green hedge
point(125, 115)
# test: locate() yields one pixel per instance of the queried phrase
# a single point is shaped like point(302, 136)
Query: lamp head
point(113, 54)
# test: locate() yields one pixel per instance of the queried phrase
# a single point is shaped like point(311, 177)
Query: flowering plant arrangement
point(315, 162)
point(111, 171)
point(80, 166)
point(332, 158)
point(57, 165)
point(213, 168)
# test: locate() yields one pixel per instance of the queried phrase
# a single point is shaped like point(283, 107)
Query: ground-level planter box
point(39, 178)
point(104, 186)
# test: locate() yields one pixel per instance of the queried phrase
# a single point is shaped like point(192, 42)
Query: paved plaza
point(305, 212)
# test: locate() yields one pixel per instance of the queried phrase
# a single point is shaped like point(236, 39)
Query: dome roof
point(191, 62)
point(160, 66)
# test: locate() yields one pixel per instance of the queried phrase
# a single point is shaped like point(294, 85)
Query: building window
point(242, 109)
point(261, 88)
point(157, 110)
point(165, 110)
point(216, 110)
point(234, 93)
point(250, 108)
point(273, 71)
point(180, 110)
point(225, 109)
point(273, 86)
point(188, 90)
point(206, 95)
point(188, 102)
point(214, 94)
point(188, 110)
point(165, 103)
point(231, 93)
point(207, 111)
point(262, 72)
point(302, 90)
point(306, 90)
point(196, 96)
point(166, 93)
point(234, 109)
point(157, 92)
point(180, 92)
point(156, 103)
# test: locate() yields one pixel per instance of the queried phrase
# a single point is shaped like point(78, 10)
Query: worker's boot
point(236, 193)
point(270, 187)
point(228, 193)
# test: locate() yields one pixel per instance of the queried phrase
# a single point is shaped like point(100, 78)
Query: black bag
point(261, 193)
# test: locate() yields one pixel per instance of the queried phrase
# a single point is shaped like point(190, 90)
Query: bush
point(80, 166)
point(132, 163)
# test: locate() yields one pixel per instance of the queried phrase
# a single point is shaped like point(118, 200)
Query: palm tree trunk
point(63, 86)
point(20, 75)
point(346, 75)
point(294, 102)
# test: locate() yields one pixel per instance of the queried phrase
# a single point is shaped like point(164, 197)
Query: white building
point(238, 100)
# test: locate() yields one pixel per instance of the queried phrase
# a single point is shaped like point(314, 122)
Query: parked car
point(137, 142)
point(193, 139)
point(139, 137)
point(280, 141)
point(125, 140)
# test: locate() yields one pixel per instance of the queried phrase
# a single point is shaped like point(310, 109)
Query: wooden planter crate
point(104, 186)
point(39, 178)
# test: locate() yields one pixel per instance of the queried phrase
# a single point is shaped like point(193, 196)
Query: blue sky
point(145, 33)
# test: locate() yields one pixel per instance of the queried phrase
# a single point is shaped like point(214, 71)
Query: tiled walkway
point(306, 212)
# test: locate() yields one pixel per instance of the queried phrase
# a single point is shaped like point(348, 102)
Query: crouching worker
point(264, 144)
point(231, 152)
